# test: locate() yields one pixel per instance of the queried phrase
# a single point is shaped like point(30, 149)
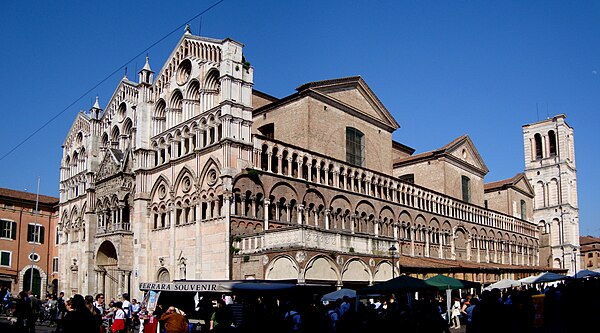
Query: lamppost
point(393, 250)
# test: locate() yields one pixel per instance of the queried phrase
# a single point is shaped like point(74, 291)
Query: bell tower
point(549, 149)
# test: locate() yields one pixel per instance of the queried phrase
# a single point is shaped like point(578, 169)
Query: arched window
point(355, 147)
point(159, 117)
point(552, 138)
point(538, 146)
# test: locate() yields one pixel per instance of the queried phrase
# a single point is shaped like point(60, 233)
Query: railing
point(307, 237)
point(289, 161)
point(113, 228)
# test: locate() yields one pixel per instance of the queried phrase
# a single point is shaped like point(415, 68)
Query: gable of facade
point(512, 196)
point(450, 170)
point(320, 116)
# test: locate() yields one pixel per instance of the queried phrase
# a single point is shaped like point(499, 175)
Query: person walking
point(119, 322)
point(22, 310)
point(455, 314)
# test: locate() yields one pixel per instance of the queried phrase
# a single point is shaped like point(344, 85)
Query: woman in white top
point(119, 319)
point(455, 314)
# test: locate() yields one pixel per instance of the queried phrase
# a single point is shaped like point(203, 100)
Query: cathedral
point(189, 173)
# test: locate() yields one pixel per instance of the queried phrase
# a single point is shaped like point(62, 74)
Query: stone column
point(441, 238)
point(452, 246)
point(266, 215)
point(300, 213)
point(412, 240)
point(119, 282)
point(269, 162)
point(427, 234)
point(279, 165)
point(477, 240)
point(289, 167)
point(288, 213)
point(469, 244)
point(299, 175)
point(352, 220)
point(327, 212)
point(487, 249)
point(253, 204)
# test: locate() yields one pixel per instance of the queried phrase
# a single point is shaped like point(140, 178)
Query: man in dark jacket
point(173, 321)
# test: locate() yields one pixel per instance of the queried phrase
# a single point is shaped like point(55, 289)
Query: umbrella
point(443, 282)
point(586, 273)
point(503, 284)
point(333, 296)
point(403, 282)
point(543, 277)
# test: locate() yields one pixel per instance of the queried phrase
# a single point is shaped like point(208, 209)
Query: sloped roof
point(409, 262)
point(326, 89)
point(509, 183)
point(27, 196)
point(446, 151)
point(584, 240)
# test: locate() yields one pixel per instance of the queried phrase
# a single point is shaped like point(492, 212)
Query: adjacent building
point(190, 173)
point(551, 170)
point(590, 253)
point(28, 242)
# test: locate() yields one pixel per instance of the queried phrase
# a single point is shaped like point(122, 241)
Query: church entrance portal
point(109, 277)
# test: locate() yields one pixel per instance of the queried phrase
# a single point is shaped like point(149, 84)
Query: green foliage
point(253, 174)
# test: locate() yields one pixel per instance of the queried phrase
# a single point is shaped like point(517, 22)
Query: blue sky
point(443, 68)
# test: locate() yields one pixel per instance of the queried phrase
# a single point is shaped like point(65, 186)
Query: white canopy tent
point(543, 277)
point(503, 284)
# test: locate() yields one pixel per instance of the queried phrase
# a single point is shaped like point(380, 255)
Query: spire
point(188, 30)
point(96, 104)
point(125, 73)
point(95, 110)
point(146, 74)
point(147, 64)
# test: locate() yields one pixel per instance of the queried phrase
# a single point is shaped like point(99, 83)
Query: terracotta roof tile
point(423, 262)
point(584, 240)
point(27, 196)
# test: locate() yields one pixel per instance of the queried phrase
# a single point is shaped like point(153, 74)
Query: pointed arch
point(160, 180)
point(182, 173)
point(356, 270)
point(321, 267)
point(282, 267)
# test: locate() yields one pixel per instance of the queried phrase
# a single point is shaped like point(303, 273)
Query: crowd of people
point(556, 308)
